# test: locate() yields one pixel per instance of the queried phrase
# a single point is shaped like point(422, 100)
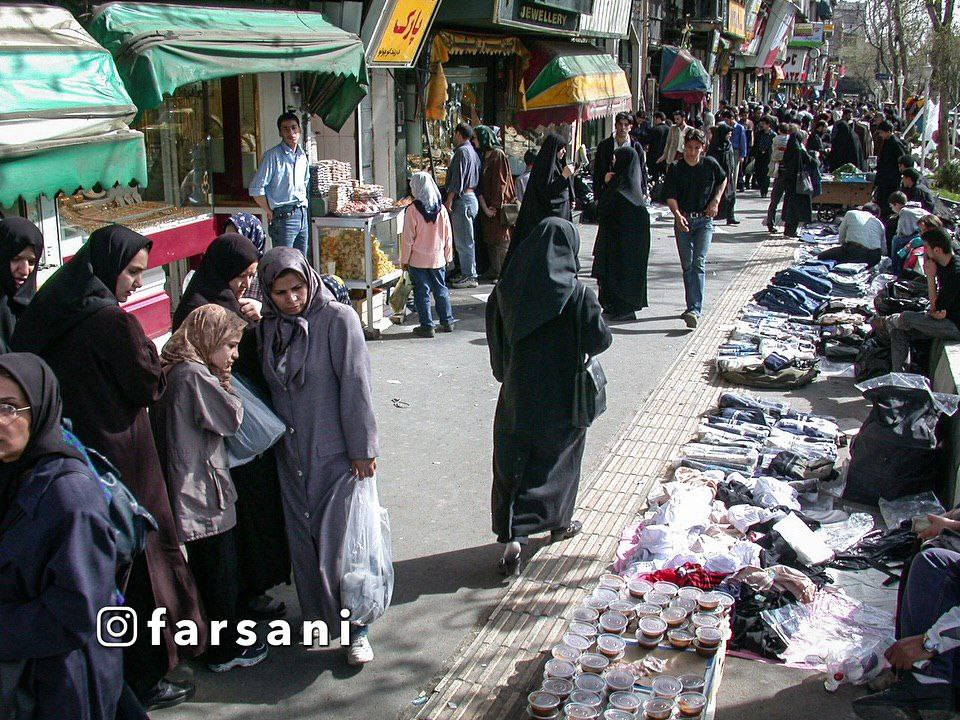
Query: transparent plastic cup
point(680, 639)
point(611, 646)
point(559, 687)
point(657, 709)
point(594, 663)
point(666, 686)
point(691, 704)
point(543, 704)
point(619, 680)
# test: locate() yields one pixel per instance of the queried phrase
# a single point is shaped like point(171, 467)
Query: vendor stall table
point(836, 195)
point(368, 225)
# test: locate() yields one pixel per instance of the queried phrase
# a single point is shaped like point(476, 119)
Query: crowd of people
point(77, 371)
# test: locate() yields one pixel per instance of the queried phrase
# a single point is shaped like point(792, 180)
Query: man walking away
point(603, 160)
point(942, 320)
point(693, 189)
point(761, 150)
point(657, 142)
point(463, 176)
point(280, 187)
point(776, 157)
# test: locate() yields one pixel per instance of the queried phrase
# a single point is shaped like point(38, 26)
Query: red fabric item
point(688, 574)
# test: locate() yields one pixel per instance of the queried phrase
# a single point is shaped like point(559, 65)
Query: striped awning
point(567, 81)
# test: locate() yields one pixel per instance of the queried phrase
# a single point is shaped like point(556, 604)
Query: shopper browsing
point(463, 176)
point(693, 188)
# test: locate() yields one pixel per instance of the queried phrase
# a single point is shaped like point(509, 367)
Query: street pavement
point(435, 400)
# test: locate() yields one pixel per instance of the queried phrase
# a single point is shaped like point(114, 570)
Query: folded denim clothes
point(800, 277)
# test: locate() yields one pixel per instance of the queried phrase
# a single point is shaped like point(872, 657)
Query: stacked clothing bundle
point(750, 517)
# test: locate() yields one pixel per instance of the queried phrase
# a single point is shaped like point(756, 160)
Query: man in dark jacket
point(656, 142)
point(603, 160)
point(888, 172)
point(913, 187)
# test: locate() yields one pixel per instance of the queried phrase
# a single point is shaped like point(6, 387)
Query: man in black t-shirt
point(942, 320)
point(693, 188)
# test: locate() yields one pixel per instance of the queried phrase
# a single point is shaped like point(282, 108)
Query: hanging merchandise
point(895, 453)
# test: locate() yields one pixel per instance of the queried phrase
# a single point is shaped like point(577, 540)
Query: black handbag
point(590, 382)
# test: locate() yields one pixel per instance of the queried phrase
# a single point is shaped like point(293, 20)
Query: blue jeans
point(932, 588)
point(465, 209)
point(693, 246)
point(424, 281)
point(290, 228)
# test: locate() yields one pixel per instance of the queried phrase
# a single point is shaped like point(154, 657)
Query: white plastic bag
point(259, 430)
point(366, 583)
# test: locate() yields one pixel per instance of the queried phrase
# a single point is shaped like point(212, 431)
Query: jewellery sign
point(559, 16)
point(398, 36)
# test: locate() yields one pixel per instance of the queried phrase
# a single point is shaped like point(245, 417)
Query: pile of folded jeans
point(744, 513)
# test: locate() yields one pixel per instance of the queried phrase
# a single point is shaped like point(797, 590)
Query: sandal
point(566, 533)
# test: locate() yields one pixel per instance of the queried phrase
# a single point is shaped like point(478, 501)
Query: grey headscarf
point(286, 338)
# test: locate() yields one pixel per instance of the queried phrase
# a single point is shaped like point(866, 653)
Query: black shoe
point(624, 317)
point(423, 332)
point(908, 699)
point(566, 533)
point(510, 565)
point(166, 694)
point(445, 328)
point(763, 194)
point(253, 655)
point(733, 222)
point(690, 319)
point(773, 229)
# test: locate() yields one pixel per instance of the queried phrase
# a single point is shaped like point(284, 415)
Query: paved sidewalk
point(503, 662)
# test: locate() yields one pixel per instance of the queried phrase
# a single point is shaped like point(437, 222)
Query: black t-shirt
point(948, 291)
point(693, 186)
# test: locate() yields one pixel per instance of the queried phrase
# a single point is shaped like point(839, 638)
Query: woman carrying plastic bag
point(366, 583)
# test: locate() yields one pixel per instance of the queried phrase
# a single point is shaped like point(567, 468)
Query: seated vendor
point(862, 237)
point(928, 634)
point(915, 190)
point(942, 320)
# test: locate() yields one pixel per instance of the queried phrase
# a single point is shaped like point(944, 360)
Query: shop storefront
point(763, 51)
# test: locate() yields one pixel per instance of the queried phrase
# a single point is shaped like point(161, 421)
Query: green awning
point(160, 47)
point(63, 109)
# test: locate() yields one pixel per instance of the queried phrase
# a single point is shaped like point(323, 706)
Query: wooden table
point(836, 195)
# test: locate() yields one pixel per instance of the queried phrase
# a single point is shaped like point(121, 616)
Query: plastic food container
point(680, 639)
point(691, 704)
point(690, 593)
point(726, 601)
point(588, 682)
point(613, 622)
point(692, 683)
point(688, 605)
point(709, 637)
point(619, 680)
point(612, 581)
point(625, 701)
point(674, 617)
point(592, 663)
point(575, 711)
point(595, 602)
point(585, 697)
point(657, 598)
point(585, 614)
point(639, 588)
point(559, 669)
point(647, 610)
point(612, 646)
point(559, 687)
point(667, 588)
point(543, 704)
point(562, 651)
point(605, 593)
point(700, 620)
point(532, 713)
point(709, 601)
point(587, 630)
point(657, 709)
point(648, 643)
point(651, 627)
point(704, 651)
point(614, 714)
point(625, 607)
point(577, 642)
point(666, 686)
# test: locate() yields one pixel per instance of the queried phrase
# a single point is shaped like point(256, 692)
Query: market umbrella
point(682, 76)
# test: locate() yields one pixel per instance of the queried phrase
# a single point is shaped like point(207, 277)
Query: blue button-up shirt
point(738, 138)
point(283, 176)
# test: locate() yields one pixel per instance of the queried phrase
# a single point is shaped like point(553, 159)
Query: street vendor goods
point(345, 248)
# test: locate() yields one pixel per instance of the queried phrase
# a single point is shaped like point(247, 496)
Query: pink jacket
point(426, 245)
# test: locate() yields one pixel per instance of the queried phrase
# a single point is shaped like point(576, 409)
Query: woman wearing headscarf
point(21, 247)
point(549, 191)
point(797, 207)
point(224, 275)
point(59, 559)
point(622, 249)
point(496, 190)
point(109, 373)
point(721, 150)
point(200, 408)
point(317, 367)
point(534, 317)
point(427, 247)
point(845, 148)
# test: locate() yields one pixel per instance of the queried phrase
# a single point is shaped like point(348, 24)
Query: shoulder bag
point(590, 382)
point(508, 214)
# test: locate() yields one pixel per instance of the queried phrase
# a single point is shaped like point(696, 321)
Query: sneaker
point(445, 328)
point(423, 331)
point(464, 283)
point(690, 318)
point(359, 652)
point(908, 699)
point(253, 655)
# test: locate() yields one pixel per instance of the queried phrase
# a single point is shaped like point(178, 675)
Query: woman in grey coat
point(316, 364)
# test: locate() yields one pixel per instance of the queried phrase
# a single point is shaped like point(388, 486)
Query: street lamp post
point(927, 74)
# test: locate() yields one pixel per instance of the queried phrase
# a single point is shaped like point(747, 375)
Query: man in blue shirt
point(463, 176)
point(280, 187)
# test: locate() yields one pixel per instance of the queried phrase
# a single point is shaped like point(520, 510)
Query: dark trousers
point(932, 588)
point(851, 252)
point(761, 170)
point(144, 664)
point(213, 562)
point(776, 195)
